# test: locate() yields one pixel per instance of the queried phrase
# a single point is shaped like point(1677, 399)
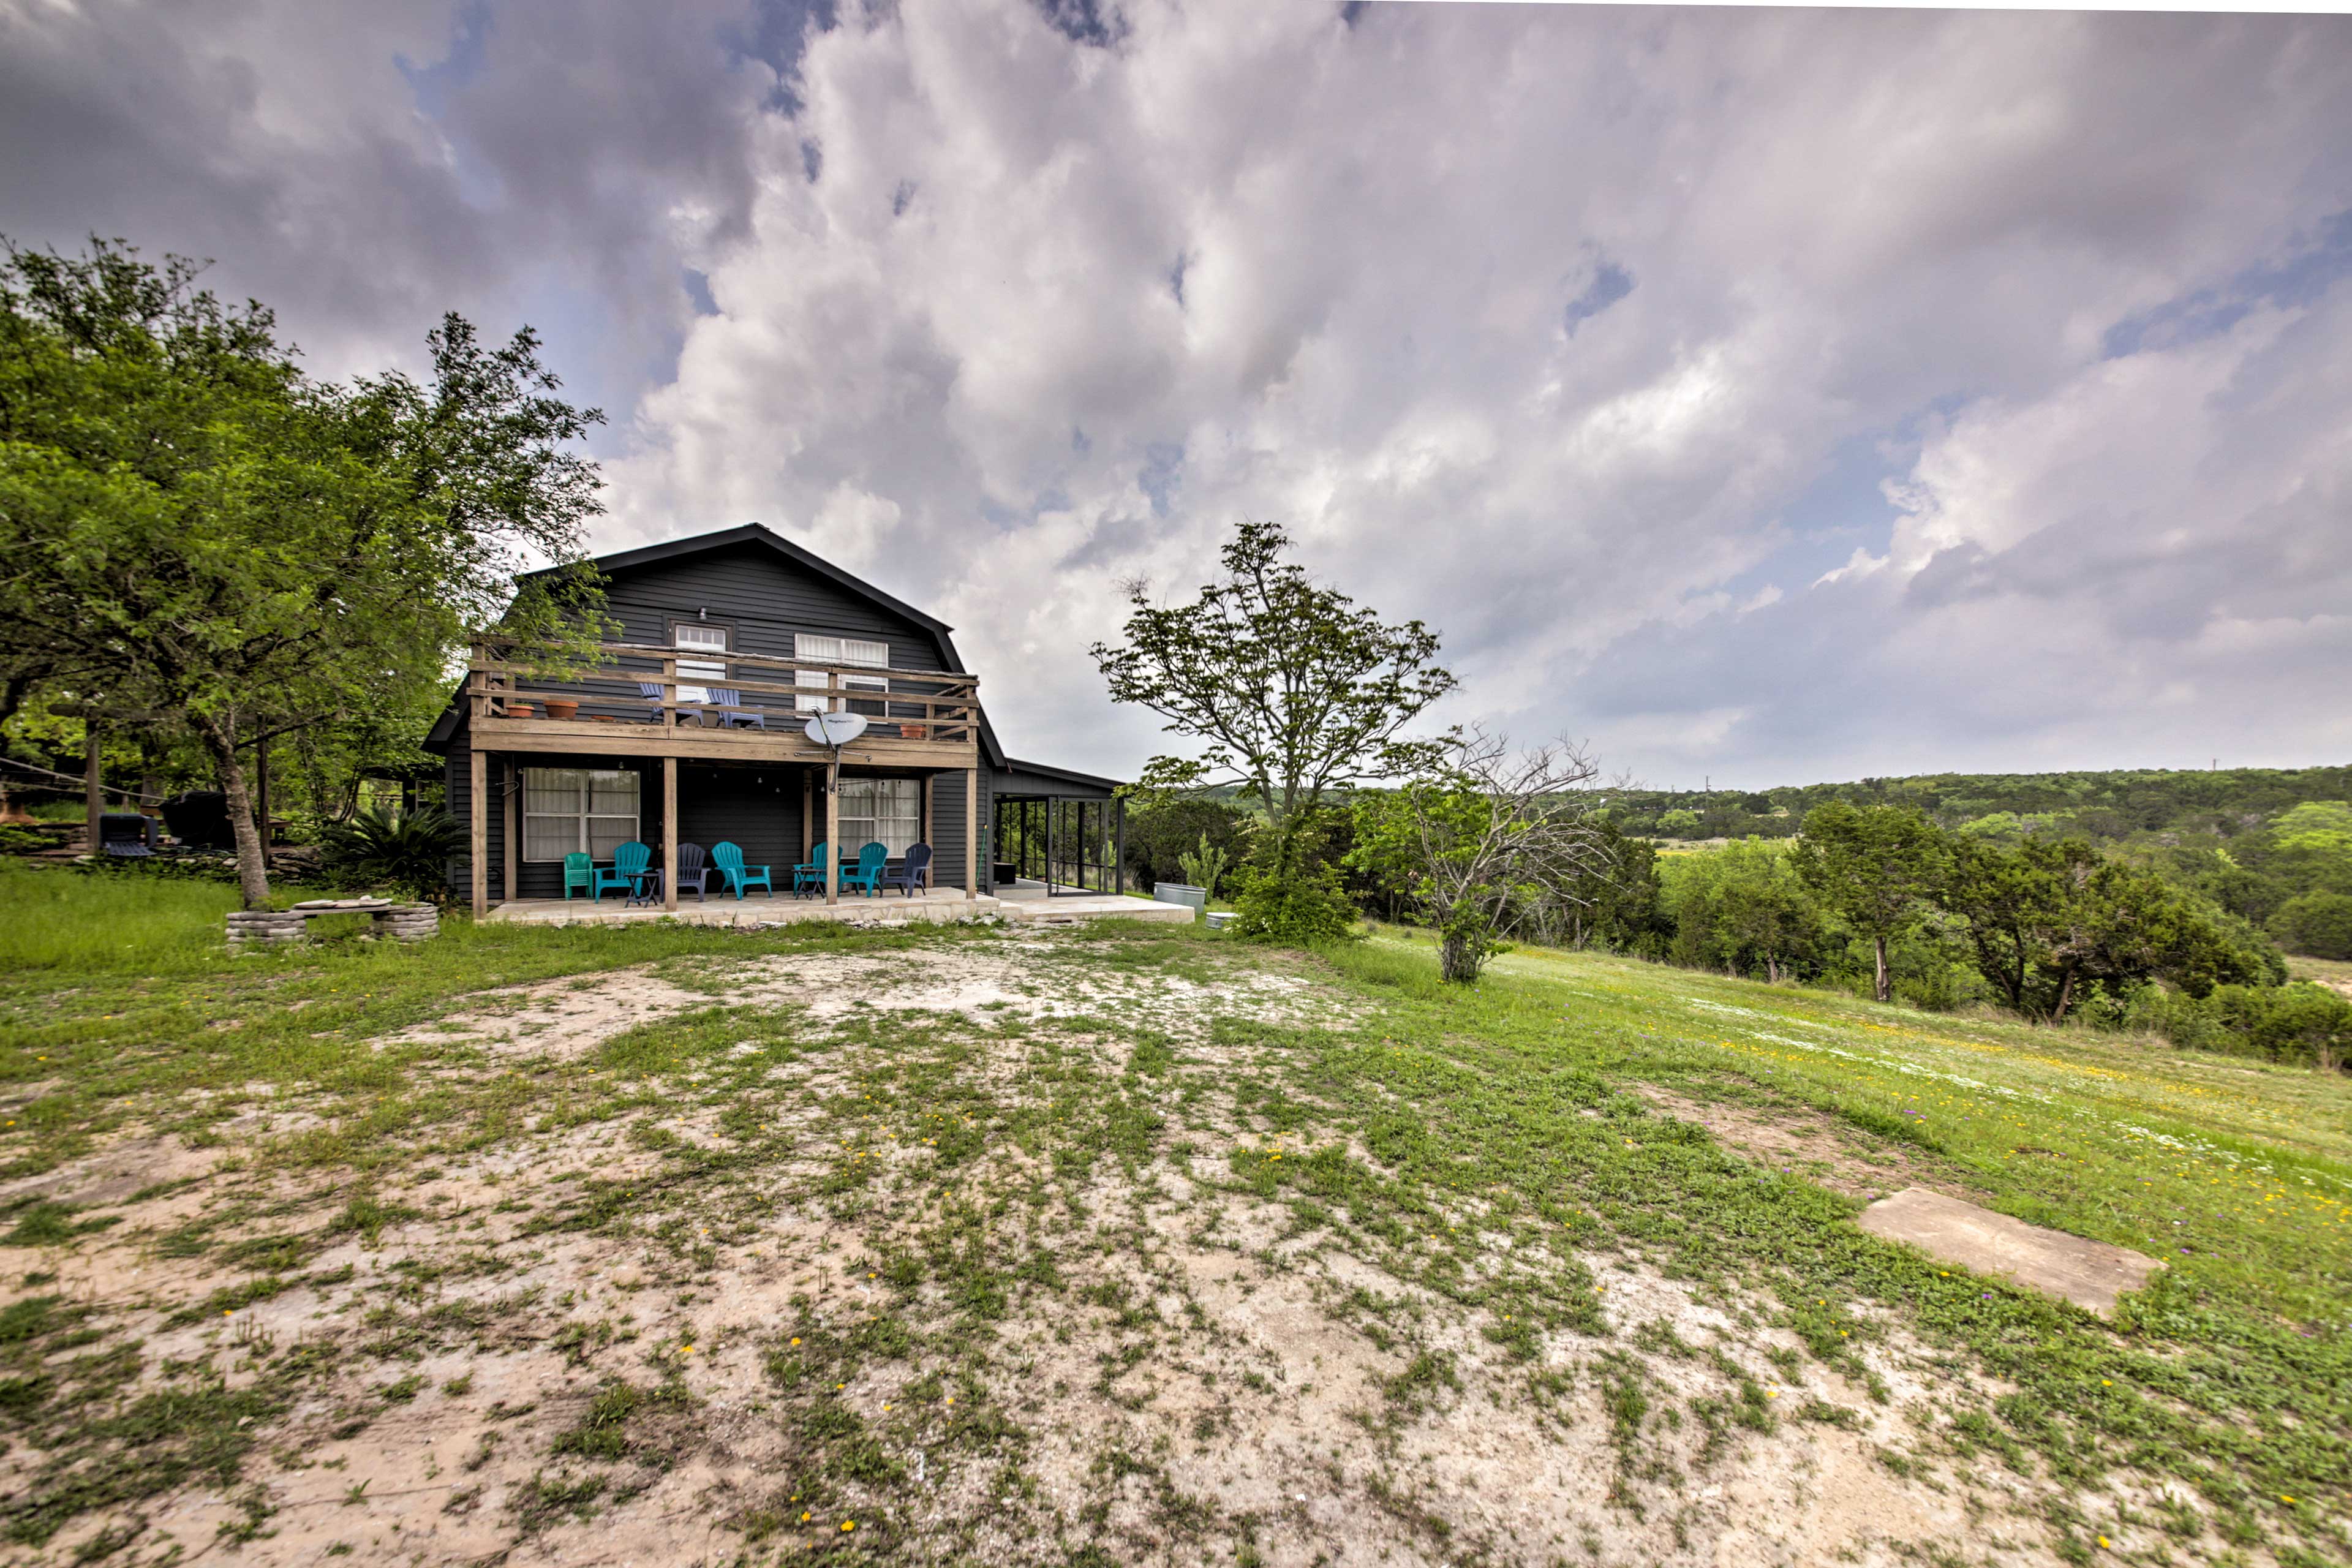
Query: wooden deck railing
point(930, 705)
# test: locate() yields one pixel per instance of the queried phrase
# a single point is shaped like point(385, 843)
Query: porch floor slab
point(945, 904)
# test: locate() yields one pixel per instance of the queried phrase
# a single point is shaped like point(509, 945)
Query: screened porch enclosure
point(1071, 846)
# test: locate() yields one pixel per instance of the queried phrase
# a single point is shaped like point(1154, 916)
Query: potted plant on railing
point(562, 708)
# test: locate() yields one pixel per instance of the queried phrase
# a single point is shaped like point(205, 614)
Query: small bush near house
point(407, 853)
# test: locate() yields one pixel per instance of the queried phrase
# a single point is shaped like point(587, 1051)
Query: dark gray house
point(691, 729)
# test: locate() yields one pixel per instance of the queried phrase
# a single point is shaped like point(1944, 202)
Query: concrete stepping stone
point(2091, 1274)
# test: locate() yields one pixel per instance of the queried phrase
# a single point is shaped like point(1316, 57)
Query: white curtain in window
point(839, 650)
point(566, 810)
point(889, 809)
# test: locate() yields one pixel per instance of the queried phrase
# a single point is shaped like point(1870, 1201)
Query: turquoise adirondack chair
point(867, 875)
point(810, 873)
point(629, 862)
point(578, 871)
point(728, 858)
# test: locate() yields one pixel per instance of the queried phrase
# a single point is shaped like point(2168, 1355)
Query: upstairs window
point(702, 639)
point(840, 650)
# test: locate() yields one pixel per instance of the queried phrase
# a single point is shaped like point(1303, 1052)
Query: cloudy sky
point(1767, 396)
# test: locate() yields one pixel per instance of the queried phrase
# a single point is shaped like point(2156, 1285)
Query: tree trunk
point(1772, 970)
point(1455, 961)
point(1879, 944)
point(252, 867)
point(93, 797)
point(2065, 996)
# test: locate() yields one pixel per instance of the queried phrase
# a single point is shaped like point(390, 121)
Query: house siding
point(765, 600)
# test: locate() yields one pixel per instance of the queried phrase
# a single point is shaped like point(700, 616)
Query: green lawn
point(1010, 1252)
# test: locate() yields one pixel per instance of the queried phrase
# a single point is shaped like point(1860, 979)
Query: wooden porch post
point(970, 832)
point(833, 833)
point(808, 808)
point(669, 833)
point(478, 841)
point(506, 822)
point(927, 808)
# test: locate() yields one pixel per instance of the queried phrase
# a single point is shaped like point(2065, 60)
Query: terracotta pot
point(518, 709)
point(562, 708)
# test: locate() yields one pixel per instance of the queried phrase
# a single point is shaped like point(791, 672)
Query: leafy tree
point(1680, 823)
point(1615, 900)
point(1293, 689)
point(2008, 899)
point(194, 526)
point(2317, 924)
point(2052, 918)
point(1483, 838)
point(1161, 830)
point(1743, 909)
point(1875, 865)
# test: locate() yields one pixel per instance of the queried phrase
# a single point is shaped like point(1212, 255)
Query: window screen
point(566, 810)
point(889, 809)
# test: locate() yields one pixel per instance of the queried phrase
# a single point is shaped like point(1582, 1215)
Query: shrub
point(407, 852)
point(2301, 1024)
point(1204, 866)
point(2319, 925)
point(1298, 907)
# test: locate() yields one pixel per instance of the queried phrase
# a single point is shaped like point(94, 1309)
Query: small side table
point(646, 888)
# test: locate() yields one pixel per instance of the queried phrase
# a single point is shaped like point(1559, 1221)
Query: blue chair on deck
point(915, 872)
point(629, 862)
point(728, 858)
point(867, 875)
point(732, 715)
point(578, 871)
point(810, 873)
point(693, 872)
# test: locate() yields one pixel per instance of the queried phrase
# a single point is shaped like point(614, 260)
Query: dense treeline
point(2176, 931)
point(2104, 806)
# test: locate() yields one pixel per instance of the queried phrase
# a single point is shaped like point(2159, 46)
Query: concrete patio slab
point(940, 906)
point(2091, 1274)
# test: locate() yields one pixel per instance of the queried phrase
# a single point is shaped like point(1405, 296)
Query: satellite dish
point(836, 729)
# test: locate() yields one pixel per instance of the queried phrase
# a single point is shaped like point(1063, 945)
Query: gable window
point(567, 810)
point(840, 650)
point(702, 638)
point(889, 809)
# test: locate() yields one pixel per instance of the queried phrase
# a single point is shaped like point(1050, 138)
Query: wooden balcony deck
point(636, 700)
point(882, 745)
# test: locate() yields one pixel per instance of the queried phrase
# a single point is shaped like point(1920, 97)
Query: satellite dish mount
point(833, 731)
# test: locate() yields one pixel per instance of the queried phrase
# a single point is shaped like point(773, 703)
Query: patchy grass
point(1148, 1246)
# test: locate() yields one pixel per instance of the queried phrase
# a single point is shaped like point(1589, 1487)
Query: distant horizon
point(1755, 392)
